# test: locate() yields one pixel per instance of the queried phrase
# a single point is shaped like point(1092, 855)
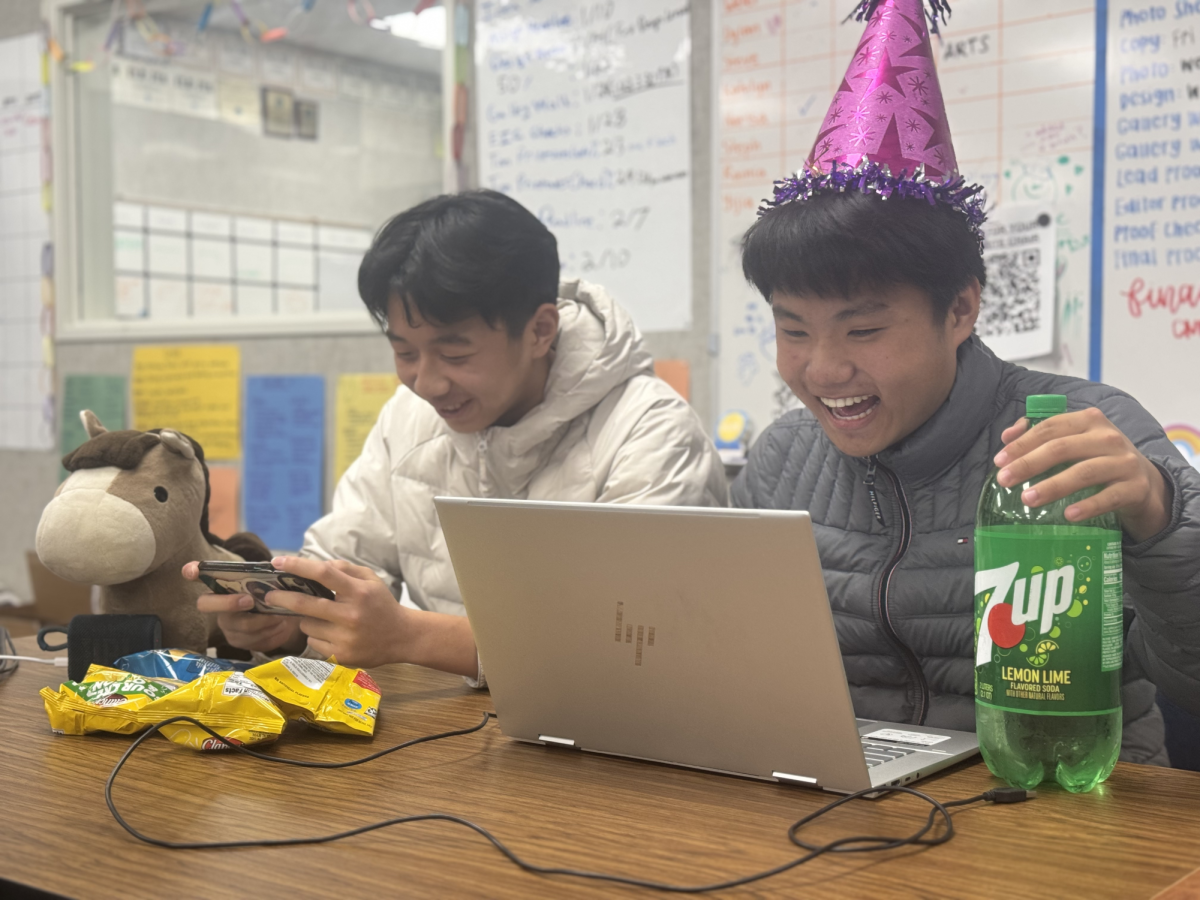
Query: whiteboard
point(1151, 240)
point(1018, 86)
point(26, 351)
point(583, 117)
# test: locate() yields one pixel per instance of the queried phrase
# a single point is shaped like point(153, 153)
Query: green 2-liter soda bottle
point(1048, 630)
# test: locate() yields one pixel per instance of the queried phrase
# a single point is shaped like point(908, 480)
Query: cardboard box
point(18, 626)
point(55, 600)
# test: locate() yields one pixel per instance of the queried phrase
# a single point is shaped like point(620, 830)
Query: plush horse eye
point(160, 494)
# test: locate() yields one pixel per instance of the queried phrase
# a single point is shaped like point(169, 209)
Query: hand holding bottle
point(1100, 454)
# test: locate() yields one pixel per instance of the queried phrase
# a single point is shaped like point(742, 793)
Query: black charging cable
point(853, 844)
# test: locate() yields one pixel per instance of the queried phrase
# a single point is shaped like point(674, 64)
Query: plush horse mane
point(125, 450)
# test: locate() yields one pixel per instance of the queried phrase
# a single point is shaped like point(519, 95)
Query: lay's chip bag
point(325, 695)
point(105, 700)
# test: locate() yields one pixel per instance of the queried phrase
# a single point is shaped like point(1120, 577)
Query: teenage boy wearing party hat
point(870, 258)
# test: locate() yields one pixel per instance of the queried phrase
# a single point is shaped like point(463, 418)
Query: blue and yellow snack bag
point(325, 695)
point(181, 665)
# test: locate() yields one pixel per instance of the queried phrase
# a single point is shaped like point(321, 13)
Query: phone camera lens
point(160, 494)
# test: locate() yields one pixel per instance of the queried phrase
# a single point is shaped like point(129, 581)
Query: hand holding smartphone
point(258, 579)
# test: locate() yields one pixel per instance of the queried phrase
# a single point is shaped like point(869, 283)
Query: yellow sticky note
point(359, 400)
point(195, 389)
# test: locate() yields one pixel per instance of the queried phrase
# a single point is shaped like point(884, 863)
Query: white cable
point(60, 661)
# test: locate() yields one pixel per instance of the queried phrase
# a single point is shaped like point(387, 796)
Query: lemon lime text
point(1036, 676)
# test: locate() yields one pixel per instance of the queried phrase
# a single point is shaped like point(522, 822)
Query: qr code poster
point(1016, 315)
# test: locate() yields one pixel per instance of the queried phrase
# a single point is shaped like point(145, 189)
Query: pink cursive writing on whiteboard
point(1171, 297)
point(1181, 329)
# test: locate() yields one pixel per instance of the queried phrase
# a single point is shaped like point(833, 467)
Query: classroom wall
point(694, 345)
point(29, 478)
point(369, 161)
point(19, 17)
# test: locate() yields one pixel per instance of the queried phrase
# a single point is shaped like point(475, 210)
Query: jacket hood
point(598, 349)
point(947, 434)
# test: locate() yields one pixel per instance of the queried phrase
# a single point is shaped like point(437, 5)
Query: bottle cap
point(1042, 405)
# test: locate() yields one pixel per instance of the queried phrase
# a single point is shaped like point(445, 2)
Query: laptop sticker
point(907, 737)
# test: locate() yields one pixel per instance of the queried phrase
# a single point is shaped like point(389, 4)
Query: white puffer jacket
point(608, 431)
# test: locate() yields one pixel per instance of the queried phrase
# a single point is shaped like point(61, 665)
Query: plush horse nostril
point(160, 494)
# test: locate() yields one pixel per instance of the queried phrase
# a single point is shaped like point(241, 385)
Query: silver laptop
point(692, 637)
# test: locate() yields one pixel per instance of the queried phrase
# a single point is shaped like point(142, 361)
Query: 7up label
point(1048, 620)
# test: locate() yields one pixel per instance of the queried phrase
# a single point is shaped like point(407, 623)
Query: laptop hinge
point(794, 779)
point(561, 742)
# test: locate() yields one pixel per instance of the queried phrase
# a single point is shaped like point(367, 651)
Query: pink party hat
point(886, 131)
point(888, 108)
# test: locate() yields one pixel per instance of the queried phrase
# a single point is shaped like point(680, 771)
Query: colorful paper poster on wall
point(1186, 439)
point(191, 388)
point(102, 394)
point(223, 501)
point(283, 459)
point(677, 373)
point(360, 397)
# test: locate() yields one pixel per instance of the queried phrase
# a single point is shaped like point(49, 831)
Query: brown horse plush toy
point(134, 510)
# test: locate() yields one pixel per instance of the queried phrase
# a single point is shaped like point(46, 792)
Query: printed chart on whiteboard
point(584, 119)
point(1152, 213)
point(1017, 79)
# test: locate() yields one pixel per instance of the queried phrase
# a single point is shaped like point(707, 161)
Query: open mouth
point(850, 409)
point(447, 412)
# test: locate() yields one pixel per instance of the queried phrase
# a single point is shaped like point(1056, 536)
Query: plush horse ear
point(91, 423)
point(177, 443)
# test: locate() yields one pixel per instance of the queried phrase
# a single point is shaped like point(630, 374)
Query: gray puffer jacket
point(902, 588)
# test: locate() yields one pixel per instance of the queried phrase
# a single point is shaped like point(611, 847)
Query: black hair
point(837, 244)
point(460, 255)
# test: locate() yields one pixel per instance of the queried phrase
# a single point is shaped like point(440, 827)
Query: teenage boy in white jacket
point(512, 386)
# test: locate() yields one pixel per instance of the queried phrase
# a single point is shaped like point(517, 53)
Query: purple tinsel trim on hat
point(873, 178)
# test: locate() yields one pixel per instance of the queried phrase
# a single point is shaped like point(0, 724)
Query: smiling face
point(474, 375)
point(874, 367)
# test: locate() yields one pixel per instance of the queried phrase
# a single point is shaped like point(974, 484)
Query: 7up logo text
point(1038, 598)
point(1048, 621)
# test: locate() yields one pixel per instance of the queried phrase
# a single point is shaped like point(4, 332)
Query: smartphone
point(258, 579)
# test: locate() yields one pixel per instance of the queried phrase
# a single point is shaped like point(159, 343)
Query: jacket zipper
point(483, 482)
point(869, 481)
point(910, 659)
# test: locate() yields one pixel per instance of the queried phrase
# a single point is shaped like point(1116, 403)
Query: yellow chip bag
point(325, 695)
point(227, 702)
point(110, 700)
point(105, 700)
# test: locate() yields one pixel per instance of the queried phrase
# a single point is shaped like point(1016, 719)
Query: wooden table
point(1135, 835)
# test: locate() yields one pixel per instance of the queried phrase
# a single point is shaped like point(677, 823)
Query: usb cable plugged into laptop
point(852, 844)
